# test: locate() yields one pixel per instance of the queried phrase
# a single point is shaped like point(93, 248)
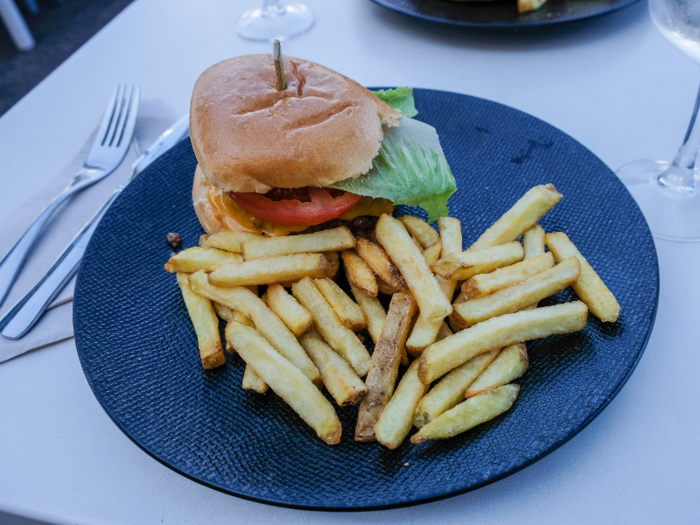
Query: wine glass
point(667, 192)
point(275, 21)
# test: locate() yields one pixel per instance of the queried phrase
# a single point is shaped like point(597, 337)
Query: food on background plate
point(300, 172)
point(524, 6)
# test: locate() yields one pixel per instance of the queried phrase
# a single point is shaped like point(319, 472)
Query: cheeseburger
point(321, 152)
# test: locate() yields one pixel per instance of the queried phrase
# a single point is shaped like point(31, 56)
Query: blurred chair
point(16, 26)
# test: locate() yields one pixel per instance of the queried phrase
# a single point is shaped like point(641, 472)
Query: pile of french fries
point(295, 343)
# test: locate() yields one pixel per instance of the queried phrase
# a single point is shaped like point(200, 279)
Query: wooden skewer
point(279, 66)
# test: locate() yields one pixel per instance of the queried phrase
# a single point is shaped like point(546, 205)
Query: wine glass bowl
point(275, 21)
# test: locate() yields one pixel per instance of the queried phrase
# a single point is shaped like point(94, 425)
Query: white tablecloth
point(612, 83)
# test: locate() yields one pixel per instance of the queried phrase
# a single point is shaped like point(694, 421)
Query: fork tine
point(118, 116)
point(130, 116)
point(108, 115)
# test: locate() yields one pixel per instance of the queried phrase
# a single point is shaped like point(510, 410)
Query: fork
point(107, 152)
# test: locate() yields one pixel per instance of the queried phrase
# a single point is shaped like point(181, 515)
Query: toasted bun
point(250, 137)
point(202, 205)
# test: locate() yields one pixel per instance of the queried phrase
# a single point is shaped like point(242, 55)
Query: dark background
point(59, 29)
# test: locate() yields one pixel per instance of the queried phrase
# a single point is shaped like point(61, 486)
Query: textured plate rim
point(503, 25)
point(424, 500)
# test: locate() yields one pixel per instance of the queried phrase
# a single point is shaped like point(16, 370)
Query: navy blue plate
point(139, 351)
point(503, 13)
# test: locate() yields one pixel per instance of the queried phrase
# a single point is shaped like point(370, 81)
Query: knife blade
point(20, 319)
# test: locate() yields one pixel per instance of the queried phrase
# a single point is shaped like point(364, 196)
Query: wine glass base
point(278, 24)
point(671, 214)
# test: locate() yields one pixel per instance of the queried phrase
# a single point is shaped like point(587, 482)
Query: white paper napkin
point(57, 323)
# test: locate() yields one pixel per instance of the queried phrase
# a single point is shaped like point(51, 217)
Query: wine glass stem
point(680, 174)
point(272, 8)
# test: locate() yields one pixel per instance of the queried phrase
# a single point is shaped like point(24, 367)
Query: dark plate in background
point(503, 13)
point(139, 351)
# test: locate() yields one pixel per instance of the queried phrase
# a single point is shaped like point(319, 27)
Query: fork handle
point(22, 316)
point(13, 260)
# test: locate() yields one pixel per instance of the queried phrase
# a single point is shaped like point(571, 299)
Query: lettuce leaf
point(410, 167)
point(400, 98)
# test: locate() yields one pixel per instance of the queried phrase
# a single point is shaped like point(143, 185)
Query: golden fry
point(203, 240)
point(486, 283)
point(421, 231)
point(518, 296)
point(385, 365)
point(252, 381)
point(521, 217)
point(195, 259)
point(323, 241)
point(396, 419)
point(464, 265)
point(285, 268)
point(393, 236)
point(378, 260)
point(266, 321)
point(510, 364)
point(525, 6)
point(340, 379)
point(230, 241)
point(374, 312)
point(345, 308)
point(432, 253)
point(223, 311)
point(533, 241)
point(295, 316)
point(441, 357)
point(589, 287)
point(205, 322)
point(359, 274)
point(386, 288)
point(468, 414)
point(286, 380)
point(337, 335)
point(450, 390)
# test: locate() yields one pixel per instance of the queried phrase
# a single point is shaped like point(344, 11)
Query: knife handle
point(24, 315)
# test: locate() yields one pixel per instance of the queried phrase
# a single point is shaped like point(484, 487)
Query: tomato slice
point(297, 206)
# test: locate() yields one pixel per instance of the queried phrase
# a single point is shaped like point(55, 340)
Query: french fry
point(449, 392)
point(205, 322)
point(443, 332)
point(323, 241)
point(286, 380)
point(359, 274)
point(230, 241)
point(464, 265)
point(468, 414)
point(345, 308)
point(421, 231)
point(203, 240)
point(374, 312)
point(589, 287)
point(243, 319)
point(274, 270)
point(521, 217)
point(518, 296)
point(252, 381)
point(195, 259)
point(396, 419)
point(441, 357)
point(486, 283)
point(525, 6)
point(533, 241)
point(510, 364)
point(456, 321)
point(223, 311)
point(337, 335)
point(266, 322)
point(393, 236)
point(385, 364)
point(386, 288)
point(340, 379)
point(432, 253)
point(377, 259)
point(295, 316)
point(425, 331)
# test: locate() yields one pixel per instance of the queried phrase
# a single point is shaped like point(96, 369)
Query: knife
point(24, 315)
